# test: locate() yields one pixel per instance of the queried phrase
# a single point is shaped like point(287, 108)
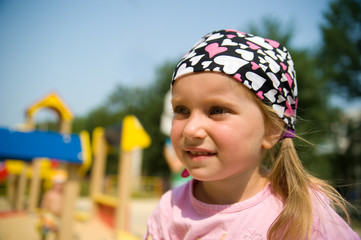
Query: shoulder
point(162, 215)
point(176, 195)
point(174, 198)
point(327, 223)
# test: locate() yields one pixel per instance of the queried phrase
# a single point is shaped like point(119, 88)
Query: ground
point(22, 225)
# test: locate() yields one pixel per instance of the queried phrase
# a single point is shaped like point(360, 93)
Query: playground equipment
point(29, 146)
point(130, 137)
point(39, 144)
point(73, 152)
point(69, 148)
point(54, 102)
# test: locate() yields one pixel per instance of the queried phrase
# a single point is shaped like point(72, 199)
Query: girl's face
point(218, 130)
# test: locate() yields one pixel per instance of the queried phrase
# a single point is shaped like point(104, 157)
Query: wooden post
point(124, 191)
point(65, 126)
point(35, 185)
point(29, 123)
point(20, 194)
point(98, 168)
point(70, 194)
point(137, 169)
point(10, 190)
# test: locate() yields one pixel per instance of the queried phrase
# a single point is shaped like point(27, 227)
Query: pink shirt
point(179, 215)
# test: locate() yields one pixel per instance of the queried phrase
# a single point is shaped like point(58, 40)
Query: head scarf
point(263, 65)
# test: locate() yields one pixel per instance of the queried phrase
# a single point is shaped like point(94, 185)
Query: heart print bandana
point(263, 65)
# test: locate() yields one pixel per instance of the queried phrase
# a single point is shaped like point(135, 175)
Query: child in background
point(234, 98)
point(174, 164)
point(179, 175)
point(51, 206)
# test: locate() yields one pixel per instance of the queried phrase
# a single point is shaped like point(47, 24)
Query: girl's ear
point(271, 137)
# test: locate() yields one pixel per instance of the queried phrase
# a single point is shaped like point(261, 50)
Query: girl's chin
point(201, 175)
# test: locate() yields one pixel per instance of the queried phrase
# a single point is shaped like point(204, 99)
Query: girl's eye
point(217, 110)
point(180, 110)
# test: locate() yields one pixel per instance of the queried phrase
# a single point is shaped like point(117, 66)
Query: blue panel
point(34, 144)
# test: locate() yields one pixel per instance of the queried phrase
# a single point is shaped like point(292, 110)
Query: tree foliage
point(341, 51)
point(341, 66)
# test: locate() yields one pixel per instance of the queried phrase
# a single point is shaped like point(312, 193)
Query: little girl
point(234, 97)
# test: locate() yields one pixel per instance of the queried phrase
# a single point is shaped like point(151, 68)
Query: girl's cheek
point(176, 133)
point(173, 133)
point(176, 128)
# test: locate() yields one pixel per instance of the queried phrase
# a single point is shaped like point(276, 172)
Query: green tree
point(341, 48)
point(149, 114)
point(341, 65)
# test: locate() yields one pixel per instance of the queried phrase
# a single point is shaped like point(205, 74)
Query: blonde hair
point(291, 182)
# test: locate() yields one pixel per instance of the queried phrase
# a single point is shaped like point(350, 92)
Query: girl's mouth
point(200, 153)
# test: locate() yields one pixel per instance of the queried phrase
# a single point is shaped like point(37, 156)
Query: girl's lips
point(198, 154)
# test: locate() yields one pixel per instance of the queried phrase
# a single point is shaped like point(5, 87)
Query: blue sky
point(83, 49)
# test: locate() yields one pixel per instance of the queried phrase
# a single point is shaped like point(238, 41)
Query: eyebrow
point(217, 101)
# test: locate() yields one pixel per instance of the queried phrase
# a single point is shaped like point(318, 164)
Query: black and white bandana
point(263, 65)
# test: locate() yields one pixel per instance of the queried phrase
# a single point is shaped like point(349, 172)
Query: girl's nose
point(195, 127)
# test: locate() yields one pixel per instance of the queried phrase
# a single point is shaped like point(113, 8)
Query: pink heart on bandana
point(284, 67)
point(254, 66)
point(289, 79)
point(260, 94)
point(230, 36)
point(214, 49)
point(289, 111)
point(273, 43)
point(253, 46)
point(238, 77)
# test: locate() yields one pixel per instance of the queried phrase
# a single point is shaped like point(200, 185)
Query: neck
point(229, 191)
